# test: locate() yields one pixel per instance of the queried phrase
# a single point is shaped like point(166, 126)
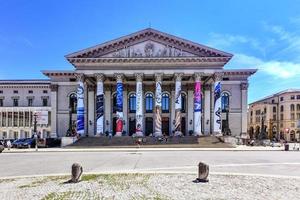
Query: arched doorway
point(251, 132)
point(149, 126)
point(257, 132)
point(165, 125)
point(132, 122)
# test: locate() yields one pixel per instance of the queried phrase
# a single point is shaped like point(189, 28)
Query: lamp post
point(262, 134)
point(35, 131)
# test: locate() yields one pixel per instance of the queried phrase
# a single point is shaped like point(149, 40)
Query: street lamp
point(262, 134)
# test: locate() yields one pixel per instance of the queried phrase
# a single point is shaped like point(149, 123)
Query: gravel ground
point(150, 186)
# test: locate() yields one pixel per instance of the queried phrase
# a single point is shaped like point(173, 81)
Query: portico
point(150, 83)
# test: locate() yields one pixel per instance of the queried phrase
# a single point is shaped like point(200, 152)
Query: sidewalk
point(135, 149)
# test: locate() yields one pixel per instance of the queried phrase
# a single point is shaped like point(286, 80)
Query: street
point(254, 162)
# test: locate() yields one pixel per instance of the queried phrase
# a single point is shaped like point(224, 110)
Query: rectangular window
point(30, 102)
point(274, 117)
point(45, 102)
point(16, 91)
point(281, 116)
point(298, 115)
point(292, 97)
point(30, 91)
point(27, 119)
point(9, 117)
point(21, 118)
point(1, 102)
point(1, 91)
point(15, 119)
point(281, 98)
point(45, 91)
point(16, 102)
point(298, 96)
point(292, 116)
point(4, 119)
point(30, 119)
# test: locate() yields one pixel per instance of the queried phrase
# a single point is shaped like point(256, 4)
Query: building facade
point(19, 101)
point(278, 114)
point(149, 83)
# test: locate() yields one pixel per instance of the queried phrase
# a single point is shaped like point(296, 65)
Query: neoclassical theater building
point(149, 83)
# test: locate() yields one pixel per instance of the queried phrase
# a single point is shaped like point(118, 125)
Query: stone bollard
point(203, 171)
point(76, 173)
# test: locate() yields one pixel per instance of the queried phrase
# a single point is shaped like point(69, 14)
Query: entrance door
point(165, 125)
point(149, 126)
point(183, 130)
point(131, 126)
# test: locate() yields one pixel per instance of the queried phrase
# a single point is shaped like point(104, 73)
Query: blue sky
point(262, 34)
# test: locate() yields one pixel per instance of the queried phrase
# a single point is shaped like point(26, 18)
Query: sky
point(35, 35)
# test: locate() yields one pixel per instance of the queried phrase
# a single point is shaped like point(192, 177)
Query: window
point(1, 102)
point(149, 103)
point(281, 116)
point(15, 122)
point(274, 109)
point(165, 103)
point(251, 113)
point(21, 117)
point(281, 108)
point(15, 102)
point(292, 97)
point(73, 102)
point(30, 102)
point(1, 91)
point(292, 107)
point(27, 119)
point(298, 107)
point(274, 117)
point(45, 91)
point(298, 96)
point(265, 110)
point(30, 91)
point(281, 98)
point(3, 119)
point(292, 116)
point(132, 103)
point(298, 115)
point(9, 117)
point(16, 92)
point(45, 102)
point(183, 103)
point(273, 101)
point(225, 102)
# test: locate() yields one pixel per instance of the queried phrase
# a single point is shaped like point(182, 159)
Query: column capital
point(158, 77)
point(218, 76)
point(99, 77)
point(119, 77)
point(79, 77)
point(178, 76)
point(139, 77)
point(53, 87)
point(198, 76)
point(206, 87)
point(244, 86)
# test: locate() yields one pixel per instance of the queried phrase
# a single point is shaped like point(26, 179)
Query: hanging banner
point(139, 108)
point(217, 107)
point(80, 109)
point(100, 108)
point(158, 101)
point(197, 108)
point(178, 108)
point(119, 109)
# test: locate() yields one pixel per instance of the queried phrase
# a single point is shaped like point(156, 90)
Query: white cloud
point(277, 69)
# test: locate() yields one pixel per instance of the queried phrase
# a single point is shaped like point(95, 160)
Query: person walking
point(8, 144)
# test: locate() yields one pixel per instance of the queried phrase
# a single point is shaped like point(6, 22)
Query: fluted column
point(217, 103)
point(197, 105)
point(119, 122)
point(207, 106)
point(139, 105)
point(244, 104)
point(100, 105)
point(80, 104)
point(158, 101)
point(178, 77)
point(54, 133)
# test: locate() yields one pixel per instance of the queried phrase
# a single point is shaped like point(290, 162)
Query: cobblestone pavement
point(150, 186)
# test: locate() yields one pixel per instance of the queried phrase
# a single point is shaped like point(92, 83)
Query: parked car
point(16, 143)
point(49, 142)
point(4, 142)
point(1, 148)
point(29, 143)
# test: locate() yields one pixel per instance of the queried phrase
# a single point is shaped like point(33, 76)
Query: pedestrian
point(110, 135)
point(8, 144)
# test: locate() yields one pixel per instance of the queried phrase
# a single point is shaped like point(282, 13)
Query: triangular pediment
point(148, 43)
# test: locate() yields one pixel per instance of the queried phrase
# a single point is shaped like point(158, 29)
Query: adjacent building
point(19, 101)
point(278, 114)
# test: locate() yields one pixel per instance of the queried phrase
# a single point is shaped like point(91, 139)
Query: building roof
point(291, 90)
point(24, 81)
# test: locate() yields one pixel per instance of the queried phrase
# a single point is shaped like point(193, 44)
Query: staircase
point(151, 142)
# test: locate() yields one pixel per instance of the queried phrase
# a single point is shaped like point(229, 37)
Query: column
point(119, 109)
point(139, 105)
point(207, 120)
point(197, 105)
point(125, 109)
point(158, 102)
point(244, 104)
point(53, 89)
point(190, 108)
point(107, 108)
point(177, 128)
point(217, 125)
point(100, 105)
point(91, 110)
point(80, 104)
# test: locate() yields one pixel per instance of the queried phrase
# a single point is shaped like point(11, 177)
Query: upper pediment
point(148, 43)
